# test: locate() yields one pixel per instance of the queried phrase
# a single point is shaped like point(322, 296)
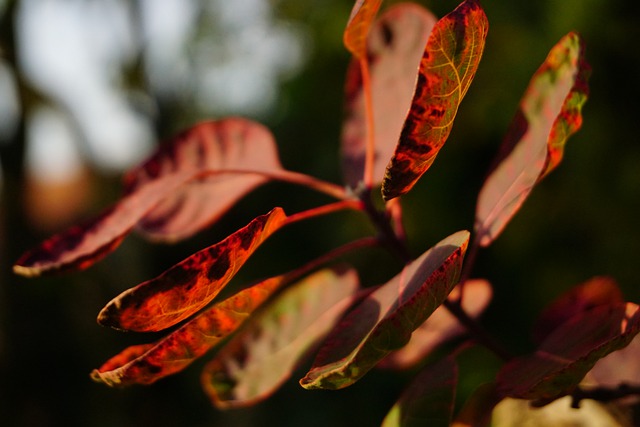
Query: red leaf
point(174, 194)
point(273, 342)
point(430, 398)
point(147, 363)
point(395, 45)
point(448, 66)
point(233, 144)
point(385, 319)
point(549, 113)
point(81, 246)
point(191, 284)
point(595, 292)
point(440, 326)
point(569, 352)
point(355, 35)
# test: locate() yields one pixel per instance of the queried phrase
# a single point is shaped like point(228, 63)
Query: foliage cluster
point(409, 74)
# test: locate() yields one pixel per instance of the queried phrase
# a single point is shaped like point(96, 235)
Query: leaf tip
point(25, 271)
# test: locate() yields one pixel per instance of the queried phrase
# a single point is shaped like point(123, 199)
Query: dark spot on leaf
point(152, 368)
point(387, 34)
point(220, 267)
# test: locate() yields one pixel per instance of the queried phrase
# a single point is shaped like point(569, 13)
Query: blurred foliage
point(580, 222)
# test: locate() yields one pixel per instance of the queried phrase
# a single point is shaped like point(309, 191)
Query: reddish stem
point(368, 104)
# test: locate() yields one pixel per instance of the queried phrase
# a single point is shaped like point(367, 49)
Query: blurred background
point(89, 88)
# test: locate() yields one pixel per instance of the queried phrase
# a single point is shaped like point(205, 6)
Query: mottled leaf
point(441, 326)
point(171, 196)
point(384, 320)
point(233, 144)
point(569, 352)
point(596, 291)
point(355, 34)
point(550, 112)
point(429, 400)
point(274, 341)
point(81, 246)
point(147, 363)
point(448, 66)
point(394, 48)
point(191, 284)
point(477, 410)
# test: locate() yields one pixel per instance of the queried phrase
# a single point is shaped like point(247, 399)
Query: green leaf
point(270, 346)
point(518, 413)
point(477, 410)
point(394, 49)
point(441, 326)
point(147, 363)
point(190, 285)
point(385, 319)
point(429, 400)
point(550, 112)
point(355, 34)
point(569, 352)
point(448, 66)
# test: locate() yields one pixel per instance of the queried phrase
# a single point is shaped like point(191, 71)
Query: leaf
point(233, 144)
point(619, 367)
point(448, 66)
point(517, 413)
point(191, 284)
point(477, 410)
point(384, 320)
point(549, 113)
point(171, 196)
point(429, 400)
point(147, 363)
point(81, 246)
point(355, 34)
point(440, 326)
point(596, 291)
point(568, 353)
point(269, 347)
point(394, 49)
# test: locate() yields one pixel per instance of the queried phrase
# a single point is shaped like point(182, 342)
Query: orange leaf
point(191, 284)
point(549, 113)
point(233, 144)
point(395, 45)
point(147, 363)
point(276, 339)
point(81, 246)
point(355, 34)
point(448, 66)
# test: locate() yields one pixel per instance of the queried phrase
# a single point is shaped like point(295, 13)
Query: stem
point(297, 178)
point(323, 210)
point(334, 253)
point(479, 332)
point(368, 106)
point(603, 394)
point(386, 233)
point(469, 262)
